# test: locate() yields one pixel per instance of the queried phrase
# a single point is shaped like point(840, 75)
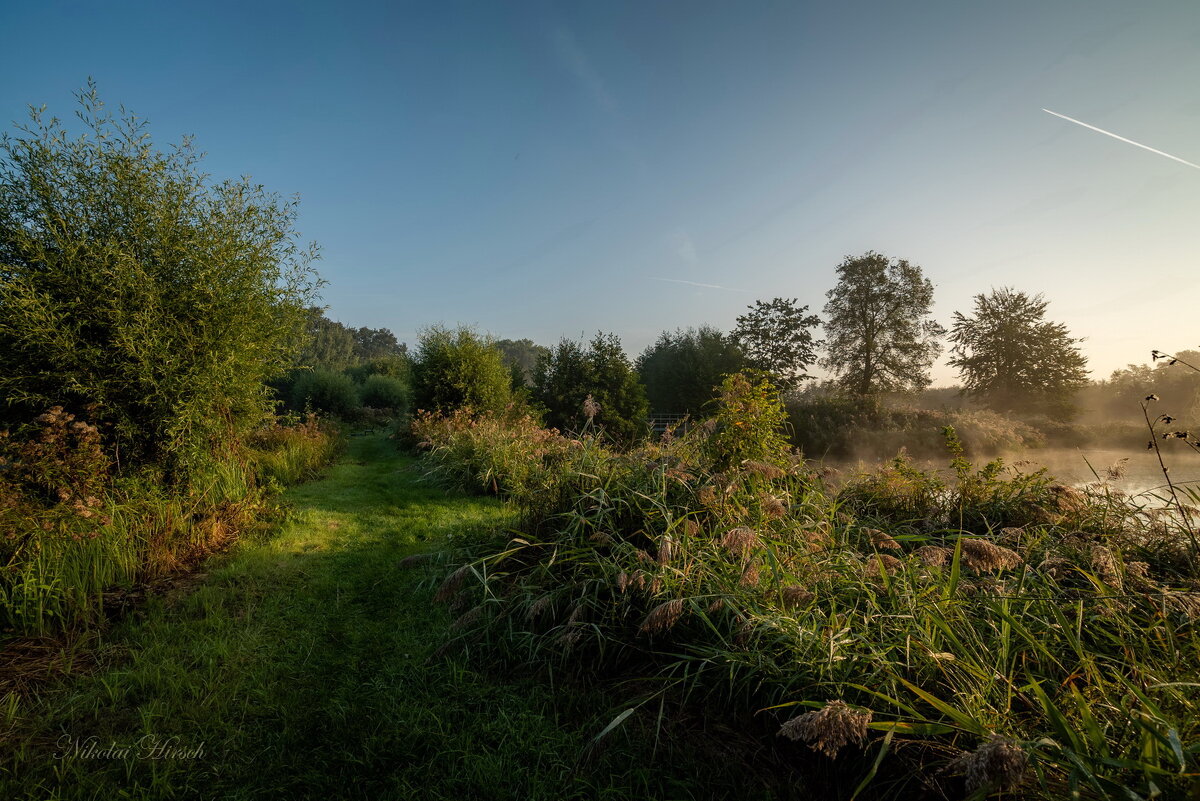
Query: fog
point(1141, 472)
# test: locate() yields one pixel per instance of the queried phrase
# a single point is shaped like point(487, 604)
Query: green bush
point(591, 386)
point(136, 289)
point(384, 392)
point(326, 392)
point(453, 369)
point(867, 428)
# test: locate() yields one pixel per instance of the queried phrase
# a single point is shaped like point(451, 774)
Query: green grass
point(299, 668)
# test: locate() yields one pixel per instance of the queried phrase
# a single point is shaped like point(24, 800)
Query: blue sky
point(535, 169)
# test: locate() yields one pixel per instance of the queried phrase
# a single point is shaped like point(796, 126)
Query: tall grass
point(75, 528)
point(992, 632)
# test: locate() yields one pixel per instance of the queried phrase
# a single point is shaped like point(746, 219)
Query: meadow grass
point(300, 667)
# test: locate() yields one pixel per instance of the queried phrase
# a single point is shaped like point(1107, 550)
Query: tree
point(376, 343)
point(1013, 359)
point(879, 335)
point(681, 370)
point(138, 292)
point(329, 344)
point(521, 356)
point(564, 378)
point(458, 368)
point(777, 338)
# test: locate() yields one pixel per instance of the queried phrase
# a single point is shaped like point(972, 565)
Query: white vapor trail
point(1121, 138)
point(705, 286)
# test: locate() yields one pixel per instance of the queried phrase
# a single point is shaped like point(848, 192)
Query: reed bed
point(901, 636)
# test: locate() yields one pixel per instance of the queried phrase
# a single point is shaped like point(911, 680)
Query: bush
point(384, 392)
point(326, 392)
point(459, 369)
point(136, 288)
point(866, 428)
point(594, 386)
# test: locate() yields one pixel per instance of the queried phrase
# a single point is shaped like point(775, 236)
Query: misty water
point(1071, 466)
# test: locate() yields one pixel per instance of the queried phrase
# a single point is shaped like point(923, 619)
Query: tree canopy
point(564, 378)
point(1013, 359)
point(521, 356)
point(879, 335)
point(776, 338)
point(334, 346)
point(682, 370)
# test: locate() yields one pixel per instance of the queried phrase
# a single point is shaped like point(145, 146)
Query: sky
point(547, 169)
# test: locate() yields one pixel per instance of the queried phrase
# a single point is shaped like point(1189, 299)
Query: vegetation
point(1012, 358)
point(298, 666)
point(777, 338)
point(143, 308)
point(682, 369)
point(879, 335)
point(596, 385)
point(137, 292)
point(326, 392)
point(521, 356)
point(905, 633)
point(453, 369)
point(844, 426)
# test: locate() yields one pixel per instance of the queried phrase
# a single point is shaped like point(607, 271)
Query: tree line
point(879, 338)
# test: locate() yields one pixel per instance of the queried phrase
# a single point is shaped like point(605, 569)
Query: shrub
point(384, 392)
point(580, 387)
point(326, 392)
point(845, 426)
point(137, 288)
point(288, 454)
point(456, 369)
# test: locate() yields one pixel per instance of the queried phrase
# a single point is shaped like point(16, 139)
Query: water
point(1142, 471)
point(1070, 466)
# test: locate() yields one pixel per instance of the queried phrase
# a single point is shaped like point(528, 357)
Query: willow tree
point(137, 291)
point(1013, 359)
point(879, 336)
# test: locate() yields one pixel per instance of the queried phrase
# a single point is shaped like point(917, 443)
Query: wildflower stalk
point(1183, 515)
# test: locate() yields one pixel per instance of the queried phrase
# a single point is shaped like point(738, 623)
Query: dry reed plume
point(828, 729)
point(662, 617)
point(983, 556)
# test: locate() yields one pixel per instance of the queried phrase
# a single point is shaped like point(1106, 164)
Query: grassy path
point(297, 669)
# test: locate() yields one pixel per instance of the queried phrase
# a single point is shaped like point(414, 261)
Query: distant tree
point(1171, 381)
point(521, 356)
point(682, 370)
point(880, 337)
point(1013, 359)
point(376, 343)
point(458, 368)
point(329, 344)
point(569, 373)
point(334, 346)
point(776, 337)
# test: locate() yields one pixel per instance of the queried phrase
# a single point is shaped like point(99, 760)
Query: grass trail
point(297, 669)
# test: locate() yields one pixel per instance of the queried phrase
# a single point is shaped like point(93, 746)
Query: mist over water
point(1071, 466)
point(1142, 471)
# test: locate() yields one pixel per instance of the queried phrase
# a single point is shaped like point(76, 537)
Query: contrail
point(1121, 138)
point(706, 286)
